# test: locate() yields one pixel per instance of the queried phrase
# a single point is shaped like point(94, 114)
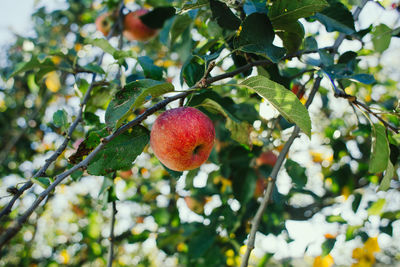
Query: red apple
point(261, 184)
point(295, 89)
point(135, 29)
point(266, 158)
point(182, 138)
point(104, 22)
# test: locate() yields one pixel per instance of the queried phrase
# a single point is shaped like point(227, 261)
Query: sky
point(15, 16)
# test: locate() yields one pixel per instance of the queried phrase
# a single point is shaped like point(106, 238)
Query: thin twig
point(271, 180)
point(42, 171)
point(111, 238)
point(387, 125)
point(356, 14)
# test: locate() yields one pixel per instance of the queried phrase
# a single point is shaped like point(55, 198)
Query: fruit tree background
point(304, 98)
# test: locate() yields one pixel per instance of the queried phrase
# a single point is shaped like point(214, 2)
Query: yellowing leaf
point(53, 82)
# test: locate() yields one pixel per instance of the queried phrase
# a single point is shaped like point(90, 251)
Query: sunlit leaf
point(286, 102)
point(376, 208)
point(381, 36)
point(389, 173)
point(285, 12)
point(380, 149)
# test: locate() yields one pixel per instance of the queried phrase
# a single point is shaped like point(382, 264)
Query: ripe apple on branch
point(182, 138)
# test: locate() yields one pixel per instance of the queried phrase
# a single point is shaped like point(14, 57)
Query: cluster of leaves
point(195, 34)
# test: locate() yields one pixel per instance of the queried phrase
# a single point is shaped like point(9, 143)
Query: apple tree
point(304, 167)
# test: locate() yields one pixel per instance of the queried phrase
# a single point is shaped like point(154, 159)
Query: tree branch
point(271, 180)
point(387, 125)
point(111, 238)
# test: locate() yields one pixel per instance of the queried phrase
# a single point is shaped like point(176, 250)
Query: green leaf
point(94, 68)
point(356, 202)
point(192, 70)
point(285, 12)
point(120, 152)
point(76, 175)
point(103, 44)
point(380, 149)
point(363, 78)
point(381, 36)
point(240, 130)
point(327, 246)
point(34, 63)
point(292, 36)
point(132, 96)
point(335, 218)
point(351, 231)
point(385, 184)
point(325, 57)
point(376, 208)
point(337, 17)
point(150, 70)
point(155, 19)
point(287, 103)
point(107, 183)
point(200, 243)
point(41, 181)
point(310, 43)
point(188, 6)
point(60, 119)
point(257, 36)
point(224, 16)
point(296, 172)
point(180, 24)
point(175, 174)
point(243, 185)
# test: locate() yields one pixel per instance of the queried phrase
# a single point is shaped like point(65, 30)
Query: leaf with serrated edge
point(120, 152)
point(282, 99)
point(138, 92)
point(380, 149)
point(385, 184)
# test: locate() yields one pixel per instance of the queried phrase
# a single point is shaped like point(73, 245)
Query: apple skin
point(103, 23)
point(266, 158)
point(295, 90)
point(182, 138)
point(135, 29)
point(261, 184)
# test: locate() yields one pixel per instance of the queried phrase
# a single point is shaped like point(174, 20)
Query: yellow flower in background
point(365, 256)
point(53, 82)
point(326, 261)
